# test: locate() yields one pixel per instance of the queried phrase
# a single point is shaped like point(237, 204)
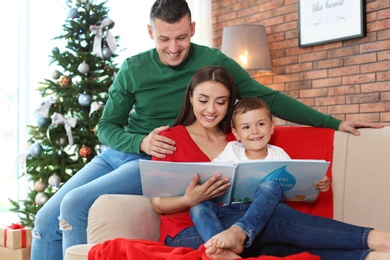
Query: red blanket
point(123, 249)
point(309, 143)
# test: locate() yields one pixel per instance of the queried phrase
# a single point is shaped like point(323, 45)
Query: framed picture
point(323, 21)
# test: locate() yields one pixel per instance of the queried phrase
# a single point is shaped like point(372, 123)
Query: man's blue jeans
point(111, 172)
point(288, 232)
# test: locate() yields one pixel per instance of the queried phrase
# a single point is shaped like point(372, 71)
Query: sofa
point(359, 171)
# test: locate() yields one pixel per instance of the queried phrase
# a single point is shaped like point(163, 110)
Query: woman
point(201, 132)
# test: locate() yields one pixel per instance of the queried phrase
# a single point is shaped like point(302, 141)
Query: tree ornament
point(35, 149)
point(73, 13)
point(56, 74)
point(85, 151)
point(40, 186)
point(55, 50)
point(83, 68)
point(62, 141)
point(41, 198)
point(54, 180)
point(65, 81)
point(42, 121)
point(103, 147)
point(85, 100)
point(106, 53)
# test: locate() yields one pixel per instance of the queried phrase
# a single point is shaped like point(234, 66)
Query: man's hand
point(351, 126)
point(156, 145)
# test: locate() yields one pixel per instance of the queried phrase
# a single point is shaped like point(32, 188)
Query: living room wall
point(349, 79)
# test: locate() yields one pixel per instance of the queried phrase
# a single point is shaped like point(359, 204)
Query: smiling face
point(172, 40)
point(210, 101)
point(254, 129)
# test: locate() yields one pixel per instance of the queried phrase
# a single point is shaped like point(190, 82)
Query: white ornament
point(83, 68)
point(54, 180)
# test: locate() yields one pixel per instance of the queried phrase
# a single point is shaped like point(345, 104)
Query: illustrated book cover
point(297, 178)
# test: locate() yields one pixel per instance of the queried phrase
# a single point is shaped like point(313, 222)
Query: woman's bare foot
point(232, 239)
point(376, 255)
point(221, 254)
point(379, 240)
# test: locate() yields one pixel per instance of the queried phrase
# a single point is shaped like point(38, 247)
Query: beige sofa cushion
point(362, 193)
point(113, 216)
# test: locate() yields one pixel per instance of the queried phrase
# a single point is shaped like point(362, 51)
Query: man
point(148, 92)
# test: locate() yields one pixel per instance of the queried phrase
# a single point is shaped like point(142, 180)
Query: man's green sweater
point(149, 94)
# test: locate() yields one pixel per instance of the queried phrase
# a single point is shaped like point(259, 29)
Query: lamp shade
point(248, 45)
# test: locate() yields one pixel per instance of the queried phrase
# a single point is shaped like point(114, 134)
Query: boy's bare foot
point(221, 254)
point(379, 240)
point(232, 239)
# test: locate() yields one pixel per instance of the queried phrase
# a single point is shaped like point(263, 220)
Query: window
point(31, 27)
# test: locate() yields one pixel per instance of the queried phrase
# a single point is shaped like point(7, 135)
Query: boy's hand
point(323, 184)
point(156, 145)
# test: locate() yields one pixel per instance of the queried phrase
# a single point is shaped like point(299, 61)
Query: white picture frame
point(324, 21)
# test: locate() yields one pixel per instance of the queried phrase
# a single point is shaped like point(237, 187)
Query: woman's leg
point(188, 237)
point(298, 232)
point(47, 235)
point(206, 220)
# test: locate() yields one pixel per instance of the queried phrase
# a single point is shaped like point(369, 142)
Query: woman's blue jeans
point(111, 172)
point(288, 232)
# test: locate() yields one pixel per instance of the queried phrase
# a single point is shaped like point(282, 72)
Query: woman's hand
point(157, 145)
point(323, 185)
point(351, 126)
point(194, 194)
point(213, 187)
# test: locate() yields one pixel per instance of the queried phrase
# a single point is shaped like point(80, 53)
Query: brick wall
point(349, 79)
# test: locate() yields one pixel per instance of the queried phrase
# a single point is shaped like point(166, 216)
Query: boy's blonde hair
point(248, 104)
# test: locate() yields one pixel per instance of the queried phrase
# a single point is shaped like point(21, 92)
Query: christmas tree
point(64, 138)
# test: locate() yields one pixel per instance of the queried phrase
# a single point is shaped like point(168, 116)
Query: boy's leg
point(266, 199)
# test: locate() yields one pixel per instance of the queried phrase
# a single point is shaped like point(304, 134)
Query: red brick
point(329, 63)
point(343, 109)
point(375, 87)
point(374, 67)
point(328, 82)
point(320, 92)
point(358, 79)
point(385, 117)
point(343, 90)
point(307, 66)
point(369, 117)
point(377, 107)
point(327, 101)
point(313, 56)
point(317, 74)
point(360, 59)
point(384, 55)
point(362, 98)
point(350, 70)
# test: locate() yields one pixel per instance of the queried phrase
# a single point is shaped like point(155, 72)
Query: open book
point(297, 177)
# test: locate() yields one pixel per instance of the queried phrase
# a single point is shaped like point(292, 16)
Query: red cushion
point(302, 142)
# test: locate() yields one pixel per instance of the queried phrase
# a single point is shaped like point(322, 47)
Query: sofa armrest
point(126, 216)
point(361, 188)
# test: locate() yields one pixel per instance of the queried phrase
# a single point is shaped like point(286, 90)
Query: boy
point(252, 125)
